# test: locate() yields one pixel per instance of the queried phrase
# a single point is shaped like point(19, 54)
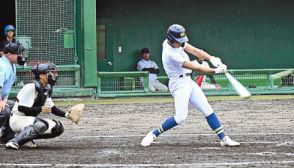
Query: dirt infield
point(109, 136)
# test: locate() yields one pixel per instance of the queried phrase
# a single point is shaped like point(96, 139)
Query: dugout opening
point(7, 15)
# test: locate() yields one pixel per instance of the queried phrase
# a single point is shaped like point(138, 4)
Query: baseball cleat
point(12, 145)
point(31, 144)
point(227, 141)
point(148, 139)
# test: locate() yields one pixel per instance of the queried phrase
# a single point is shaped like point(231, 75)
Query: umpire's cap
point(176, 33)
point(16, 48)
point(13, 48)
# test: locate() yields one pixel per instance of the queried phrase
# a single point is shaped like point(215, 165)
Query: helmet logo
point(182, 34)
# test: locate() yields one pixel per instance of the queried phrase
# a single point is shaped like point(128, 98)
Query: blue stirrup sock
point(166, 125)
point(215, 125)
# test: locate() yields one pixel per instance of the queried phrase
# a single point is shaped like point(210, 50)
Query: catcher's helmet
point(16, 48)
point(8, 28)
point(46, 68)
point(176, 33)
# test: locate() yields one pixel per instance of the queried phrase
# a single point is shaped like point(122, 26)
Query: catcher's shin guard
point(57, 130)
point(31, 132)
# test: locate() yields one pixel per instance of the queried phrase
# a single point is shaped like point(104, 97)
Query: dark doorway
point(104, 45)
point(7, 15)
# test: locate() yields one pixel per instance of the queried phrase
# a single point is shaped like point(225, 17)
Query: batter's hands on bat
point(46, 109)
point(221, 69)
point(2, 105)
point(215, 61)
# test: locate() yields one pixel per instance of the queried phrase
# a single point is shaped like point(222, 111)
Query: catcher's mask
point(16, 48)
point(47, 68)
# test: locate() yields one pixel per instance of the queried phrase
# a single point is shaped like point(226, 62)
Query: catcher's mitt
point(75, 113)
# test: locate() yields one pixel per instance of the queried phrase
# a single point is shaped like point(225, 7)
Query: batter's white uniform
point(26, 97)
point(181, 86)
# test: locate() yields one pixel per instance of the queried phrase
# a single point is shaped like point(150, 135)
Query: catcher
point(33, 99)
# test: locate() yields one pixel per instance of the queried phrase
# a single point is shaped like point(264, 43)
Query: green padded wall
point(245, 34)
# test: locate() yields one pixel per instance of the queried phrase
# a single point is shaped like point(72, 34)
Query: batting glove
point(221, 69)
point(215, 61)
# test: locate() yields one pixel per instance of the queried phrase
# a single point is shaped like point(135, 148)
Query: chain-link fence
point(47, 29)
point(49, 26)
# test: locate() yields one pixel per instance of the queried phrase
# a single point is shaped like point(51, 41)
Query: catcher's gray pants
point(5, 131)
point(40, 129)
point(19, 121)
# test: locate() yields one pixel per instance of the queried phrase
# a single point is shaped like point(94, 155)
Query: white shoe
point(12, 145)
point(31, 144)
point(148, 139)
point(227, 141)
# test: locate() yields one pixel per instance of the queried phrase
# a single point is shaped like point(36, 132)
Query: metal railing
point(68, 76)
point(115, 83)
point(258, 81)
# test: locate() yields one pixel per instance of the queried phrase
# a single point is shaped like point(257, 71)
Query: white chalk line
point(172, 135)
point(151, 165)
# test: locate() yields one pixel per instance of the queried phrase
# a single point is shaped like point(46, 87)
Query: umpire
point(13, 54)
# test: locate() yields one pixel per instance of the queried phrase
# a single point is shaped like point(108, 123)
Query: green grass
point(167, 99)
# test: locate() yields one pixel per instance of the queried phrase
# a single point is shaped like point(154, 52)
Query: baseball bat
point(239, 88)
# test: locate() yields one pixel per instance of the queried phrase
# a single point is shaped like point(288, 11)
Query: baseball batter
point(33, 99)
point(178, 68)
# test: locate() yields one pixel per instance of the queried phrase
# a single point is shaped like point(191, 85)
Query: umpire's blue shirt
point(7, 76)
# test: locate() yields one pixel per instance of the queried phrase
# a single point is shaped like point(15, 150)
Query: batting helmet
point(8, 28)
point(46, 68)
point(176, 33)
point(16, 48)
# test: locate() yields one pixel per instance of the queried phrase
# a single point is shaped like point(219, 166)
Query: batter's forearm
point(202, 54)
point(198, 68)
point(197, 52)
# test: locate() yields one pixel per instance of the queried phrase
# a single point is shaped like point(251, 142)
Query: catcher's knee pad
point(40, 125)
point(57, 130)
point(31, 132)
